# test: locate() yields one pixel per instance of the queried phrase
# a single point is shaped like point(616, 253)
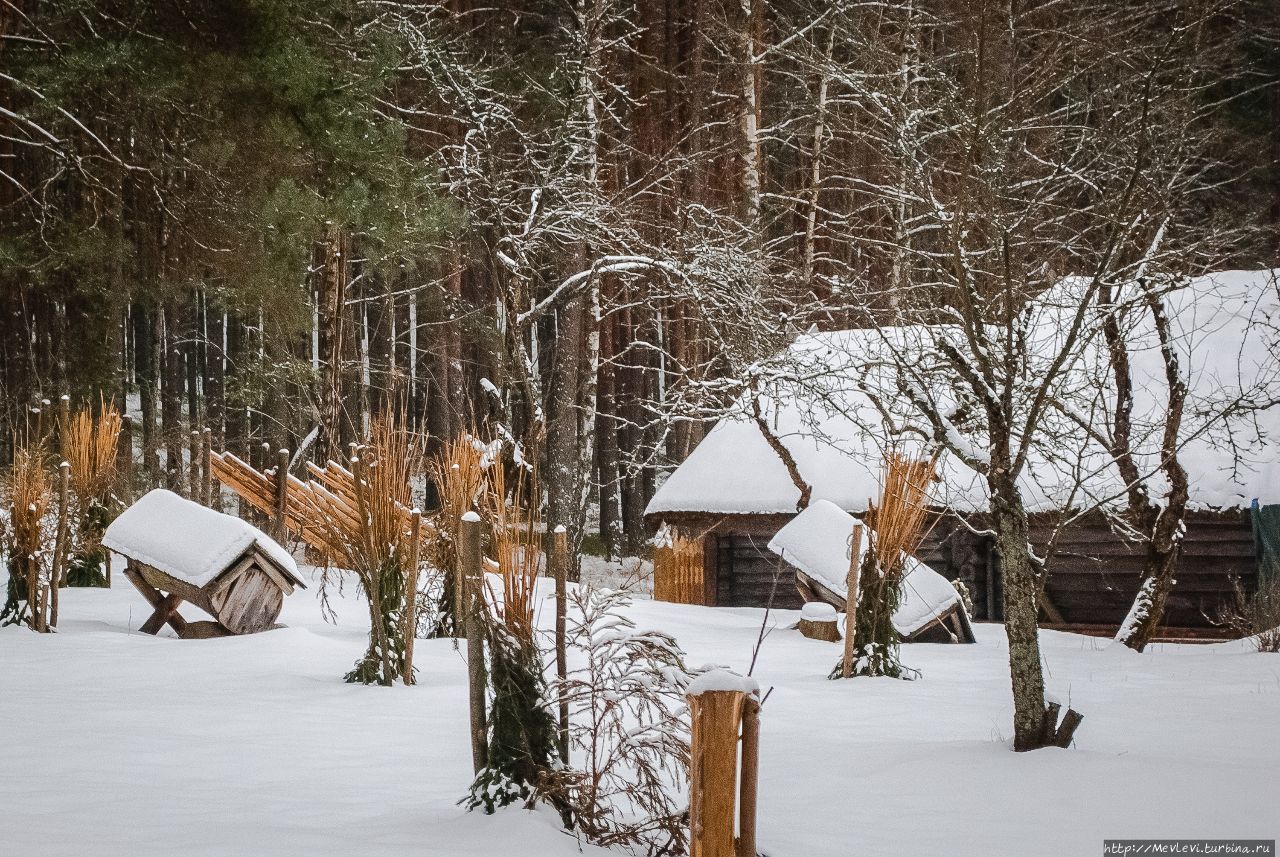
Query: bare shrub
point(1257, 615)
point(628, 732)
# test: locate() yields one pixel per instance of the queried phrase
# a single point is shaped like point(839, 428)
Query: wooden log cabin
point(734, 492)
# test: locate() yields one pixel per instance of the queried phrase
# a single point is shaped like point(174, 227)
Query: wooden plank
point(164, 611)
point(251, 604)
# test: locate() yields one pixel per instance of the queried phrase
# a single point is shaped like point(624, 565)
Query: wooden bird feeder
point(179, 551)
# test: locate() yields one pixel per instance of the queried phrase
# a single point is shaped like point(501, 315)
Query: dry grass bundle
point(29, 497)
point(459, 475)
point(373, 534)
point(89, 446)
point(896, 526)
point(522, 733)
point(458, 472)
point(901, 520)
point(517, 547)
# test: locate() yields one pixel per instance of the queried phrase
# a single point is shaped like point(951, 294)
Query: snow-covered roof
point(817, 404)
point(186, 540)
point(816, 541)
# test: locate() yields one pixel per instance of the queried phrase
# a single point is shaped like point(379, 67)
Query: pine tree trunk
point(171, 386)
point(563, 441)
point(144, 357)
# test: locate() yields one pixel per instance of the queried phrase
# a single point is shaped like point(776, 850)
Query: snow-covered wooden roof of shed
point(1226, 327)
point(188, 541)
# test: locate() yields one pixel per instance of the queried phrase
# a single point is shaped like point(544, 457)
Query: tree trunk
point(144, 346)
point(563, 441)
point(1021, 591)
point(171, 386)
point(607, 444)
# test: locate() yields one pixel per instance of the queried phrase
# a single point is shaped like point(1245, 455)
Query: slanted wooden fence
point(677, 571)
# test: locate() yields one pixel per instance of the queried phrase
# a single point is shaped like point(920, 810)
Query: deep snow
point(116, 743)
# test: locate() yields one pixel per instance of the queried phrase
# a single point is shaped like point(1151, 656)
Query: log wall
point(1093, 574)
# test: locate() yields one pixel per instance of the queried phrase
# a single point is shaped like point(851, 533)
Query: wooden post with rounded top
point(560, 557)
point(724, 709)
point(851, 599)
point(280, 500)
point(470, 575)
point(409, 631)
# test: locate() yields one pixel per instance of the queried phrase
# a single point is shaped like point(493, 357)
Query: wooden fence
point(677, 571)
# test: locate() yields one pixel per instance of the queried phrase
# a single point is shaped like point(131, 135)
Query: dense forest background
point(575, 224)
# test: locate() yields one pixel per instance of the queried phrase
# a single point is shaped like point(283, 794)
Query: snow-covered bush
point(628, 729)
point(1257, 615)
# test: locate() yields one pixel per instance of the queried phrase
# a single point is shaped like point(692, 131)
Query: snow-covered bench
point(180, 551)
point(816, 543)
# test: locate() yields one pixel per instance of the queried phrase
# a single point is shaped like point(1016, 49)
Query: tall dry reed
point(896, 526)
point(517, 547)
point(371, 532)
point(29, 496)
point(89, 445)
point(459, 474)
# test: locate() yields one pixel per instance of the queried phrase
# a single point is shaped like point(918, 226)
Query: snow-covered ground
point(116, 743)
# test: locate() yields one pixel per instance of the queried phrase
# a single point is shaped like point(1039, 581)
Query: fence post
point(206, 457)
point(280, 504)
point(193, 468)
point(410, 631)
point(560, 551)
point(851, 584)
point(470, 576)
point(124, 457)
point(724, 709)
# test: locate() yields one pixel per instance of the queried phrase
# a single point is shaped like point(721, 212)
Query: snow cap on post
point(721, 680)
point(471, 517)
point(818, 611)
point(560, 529)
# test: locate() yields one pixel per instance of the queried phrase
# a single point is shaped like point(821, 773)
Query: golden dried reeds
point(89, 446)
point(29, 497)
point(373, 533)
point(896, 526)
point(901, 520)
point(517, 547)
point(458, 472)
point(459, 475)
point(677, 570)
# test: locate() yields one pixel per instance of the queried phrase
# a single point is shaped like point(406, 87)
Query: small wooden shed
point(179, 551)
point(734, 492)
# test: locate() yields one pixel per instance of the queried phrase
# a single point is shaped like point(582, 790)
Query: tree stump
point(818, 622)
